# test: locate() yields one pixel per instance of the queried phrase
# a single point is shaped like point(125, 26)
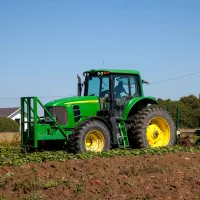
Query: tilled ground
point(171, 176)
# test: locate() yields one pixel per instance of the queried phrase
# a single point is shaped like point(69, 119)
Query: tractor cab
point(115, 87)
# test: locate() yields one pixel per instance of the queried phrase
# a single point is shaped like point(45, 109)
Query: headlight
point(86, 74)
point(99, 73)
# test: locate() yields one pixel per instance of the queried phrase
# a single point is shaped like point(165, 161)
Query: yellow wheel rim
point(158, 132)
point(94, 141)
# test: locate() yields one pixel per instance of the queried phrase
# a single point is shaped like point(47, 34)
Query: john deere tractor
point(109, 111)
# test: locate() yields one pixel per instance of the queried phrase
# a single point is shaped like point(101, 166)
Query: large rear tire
point(92, 135)
point(152, 127)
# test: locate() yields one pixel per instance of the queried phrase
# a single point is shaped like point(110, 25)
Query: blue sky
point(45, 43)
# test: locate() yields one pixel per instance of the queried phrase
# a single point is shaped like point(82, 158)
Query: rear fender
point(136, 104)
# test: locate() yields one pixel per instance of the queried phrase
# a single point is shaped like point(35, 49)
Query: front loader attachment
point(35, 128)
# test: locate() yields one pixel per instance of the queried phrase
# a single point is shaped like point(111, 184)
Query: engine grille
point(60, 112)
point(77, 113)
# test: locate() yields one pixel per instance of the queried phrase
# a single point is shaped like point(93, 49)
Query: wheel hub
point(155, 134)
point(158, 132)
point(94, 141)
point(88, 142)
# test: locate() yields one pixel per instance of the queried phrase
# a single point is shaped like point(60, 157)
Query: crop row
point(14, 156)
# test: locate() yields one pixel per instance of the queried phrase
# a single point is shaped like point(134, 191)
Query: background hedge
point(189, 110)
point(8, 125)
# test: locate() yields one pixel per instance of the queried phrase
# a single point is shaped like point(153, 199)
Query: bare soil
point(171, 177)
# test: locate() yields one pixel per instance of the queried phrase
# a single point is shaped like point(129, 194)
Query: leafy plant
point(52, 183)
point(34, 196)
point(3, 197)
point(79, 187)
point(4, 179)
point(10, 156)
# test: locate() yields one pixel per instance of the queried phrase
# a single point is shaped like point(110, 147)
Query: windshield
point(98, 86)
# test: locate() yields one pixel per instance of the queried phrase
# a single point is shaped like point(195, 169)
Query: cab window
point(134, 84)
point(121, 87)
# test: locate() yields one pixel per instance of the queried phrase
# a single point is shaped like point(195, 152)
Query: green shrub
point(8, 125)
point(189, 110)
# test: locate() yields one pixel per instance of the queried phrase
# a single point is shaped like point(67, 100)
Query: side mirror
point(143, 81)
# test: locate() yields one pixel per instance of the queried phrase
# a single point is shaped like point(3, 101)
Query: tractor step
point(121, 143)
point(122, 137)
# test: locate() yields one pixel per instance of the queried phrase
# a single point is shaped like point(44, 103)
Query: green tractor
point(110, 111)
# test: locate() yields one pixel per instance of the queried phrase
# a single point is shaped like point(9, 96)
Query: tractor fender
point(136, 104)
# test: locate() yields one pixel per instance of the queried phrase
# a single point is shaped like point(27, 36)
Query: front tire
point(92, 135)
point(152, 127)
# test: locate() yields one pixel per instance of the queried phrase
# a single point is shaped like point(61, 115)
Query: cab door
point(125, 88)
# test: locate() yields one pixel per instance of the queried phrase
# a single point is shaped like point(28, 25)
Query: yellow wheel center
point(158, 132)
point(88, 142)
point(155, 134)
point(94, 141)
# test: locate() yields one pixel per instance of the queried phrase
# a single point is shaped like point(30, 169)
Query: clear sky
point(45, 43)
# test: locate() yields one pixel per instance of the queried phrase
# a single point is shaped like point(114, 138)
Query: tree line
point(189, 110)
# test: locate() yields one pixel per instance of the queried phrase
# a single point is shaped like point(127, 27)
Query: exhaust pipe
point(79, 85)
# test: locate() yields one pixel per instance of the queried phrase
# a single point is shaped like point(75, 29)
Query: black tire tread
point(73, 143)
point(136, 126)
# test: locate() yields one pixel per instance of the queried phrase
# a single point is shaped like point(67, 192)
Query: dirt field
point(171, 177)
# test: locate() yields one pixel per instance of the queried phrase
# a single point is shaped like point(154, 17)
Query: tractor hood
point(73, 100)
point(78, 109)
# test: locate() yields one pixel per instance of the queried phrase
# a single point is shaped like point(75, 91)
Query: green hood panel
point(73, 100)
point(78, 106)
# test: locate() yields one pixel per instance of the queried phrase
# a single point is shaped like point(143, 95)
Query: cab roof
point(114, 71)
